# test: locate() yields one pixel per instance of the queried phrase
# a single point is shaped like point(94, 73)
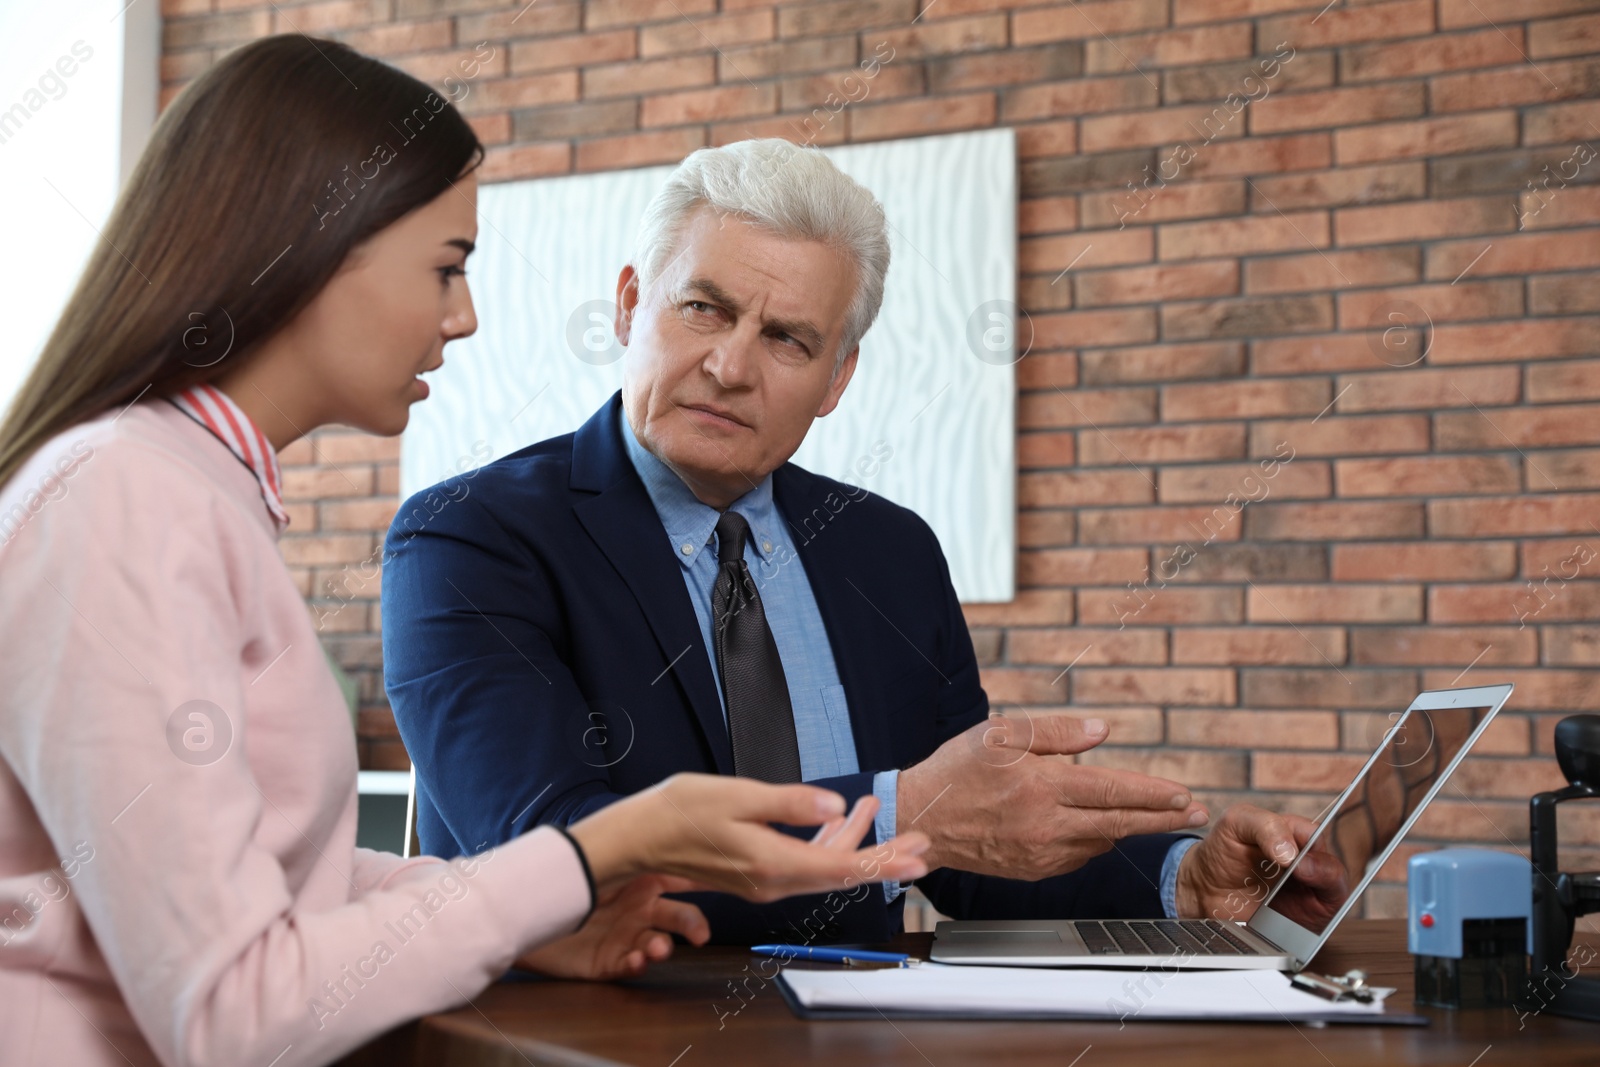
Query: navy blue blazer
point(543, 659)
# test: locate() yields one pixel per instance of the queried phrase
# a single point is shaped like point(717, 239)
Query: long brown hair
point(257, 181)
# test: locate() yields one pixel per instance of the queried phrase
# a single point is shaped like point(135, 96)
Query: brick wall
point(1312, 414)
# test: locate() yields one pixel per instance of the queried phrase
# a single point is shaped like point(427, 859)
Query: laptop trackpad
point(1010, 937)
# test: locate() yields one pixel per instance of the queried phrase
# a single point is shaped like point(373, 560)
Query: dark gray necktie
point(754, 690)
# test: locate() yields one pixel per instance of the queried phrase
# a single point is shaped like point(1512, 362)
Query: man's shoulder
point(804, 496)
point(515, 484)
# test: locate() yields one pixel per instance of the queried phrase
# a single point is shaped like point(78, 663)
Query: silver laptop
point(1362, 828)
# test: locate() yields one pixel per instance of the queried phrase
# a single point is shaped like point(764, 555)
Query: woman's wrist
point(609, 842)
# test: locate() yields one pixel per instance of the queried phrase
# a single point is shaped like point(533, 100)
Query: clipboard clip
point(1352, 985)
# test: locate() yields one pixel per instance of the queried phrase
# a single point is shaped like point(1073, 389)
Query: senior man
point(662, 591)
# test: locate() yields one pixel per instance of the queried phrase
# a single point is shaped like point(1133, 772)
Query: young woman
point(179, 881)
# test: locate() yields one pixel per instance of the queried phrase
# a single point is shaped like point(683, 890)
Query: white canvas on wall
point(934, 391)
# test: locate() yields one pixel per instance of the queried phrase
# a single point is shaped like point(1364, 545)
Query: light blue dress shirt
point(821, 713)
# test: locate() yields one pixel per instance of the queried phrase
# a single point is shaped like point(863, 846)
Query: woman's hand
point(714, 831)
point(630, 928)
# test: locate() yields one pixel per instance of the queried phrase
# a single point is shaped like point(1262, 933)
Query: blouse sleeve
point(117, 607)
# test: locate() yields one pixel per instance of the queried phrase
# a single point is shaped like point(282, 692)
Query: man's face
point(731, 352)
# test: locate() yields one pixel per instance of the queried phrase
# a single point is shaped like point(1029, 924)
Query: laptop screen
point(1416, 752)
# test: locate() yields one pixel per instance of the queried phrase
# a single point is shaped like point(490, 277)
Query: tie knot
point(731, 530)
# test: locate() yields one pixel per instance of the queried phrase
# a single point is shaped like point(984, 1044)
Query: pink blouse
point(179, 881)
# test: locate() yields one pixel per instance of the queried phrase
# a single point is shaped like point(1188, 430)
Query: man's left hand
point(1227, 875)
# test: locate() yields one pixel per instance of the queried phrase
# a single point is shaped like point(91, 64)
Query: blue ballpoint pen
point(848, 956)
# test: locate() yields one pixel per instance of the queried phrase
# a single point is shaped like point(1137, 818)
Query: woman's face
point(384, 318)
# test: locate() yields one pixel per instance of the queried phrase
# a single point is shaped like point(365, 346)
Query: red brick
point(1047, 214)
point(639, 149)
point(1244, 399)
point(1048, 370)
point(1032, 607)
point(1189, 685)
point(576, 50)
point(1323, 771)
point(600, 14)
point(1564, 295)
point(1040, 139)
point(816, 19)
point(1185, 12)
point(1576, 469)
point(1041, 529)
point(1311, 355)
point(1166, 48)
point(314, 483)
point(1444, 645)
point(1085, 647)
point(1162, 363)
point(1571, 646)
point(1082, 566)
point(834, 90)
point(1525, 603)
point(513, 162)
point(929, 38)
point(1118, 327)
point(1566, 424)
point(1060, 489)
point(1219, 562)
point(1454, 13)
point(1259, 645)
point(1426, 137)
point(1389, 223)
point(1333, 436)
point(1176, 200)
point(787, 127)
point(1261, 155)
point(647, 76)
point(389, 40)
point(1529, 339)
point(786, 57)
point(1453, 302)
point(530, 90)
point(1252, 481)
point(913, 117)
point(1147, 525)
point(1507, 777)
point(702, 105)
point(1561, 559)
point(1332, 270)
point(1540, 690)
point(1428, 389)
point(1323, 603)
point(1545, 209)
point(323, 549)
point(1334, 521)
point(1253, 730)
point(706, 34)
point(1161, 444)
point(1575, 380)
point(1517, 254)
point(534, 21)
point(1516, 516)
point(491, 129)
point(1035, 450)
point(1493, 47)
point(1327, 108)
point(1085, 251)
point(1327, 687)
point(1092, 18)
point(1081, 96)
point(1429, 476)
point(1349, 25)
point(1160, 607)
point(1104, 133)
point(1429, 561)
point(1144, 285)
point(374, 513)
point(1006, 66)
point(1513, 86)
point(1017, 685)
point(1560, 123)
point(1339, 188)
point(334, 446)
point(1243, 236)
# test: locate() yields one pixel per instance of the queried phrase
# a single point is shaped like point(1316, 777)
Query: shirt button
point(766, 546)
point(686, 548)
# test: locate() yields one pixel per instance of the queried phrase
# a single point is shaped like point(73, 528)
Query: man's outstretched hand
point(1228, 874)
point(1003, 799)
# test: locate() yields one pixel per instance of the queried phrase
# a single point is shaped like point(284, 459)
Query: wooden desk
point(669, 1018)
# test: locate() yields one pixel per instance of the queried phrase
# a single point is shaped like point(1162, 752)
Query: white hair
point(792, 191)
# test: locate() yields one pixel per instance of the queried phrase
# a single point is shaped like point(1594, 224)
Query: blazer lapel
point(625, 526)
point(849, 618)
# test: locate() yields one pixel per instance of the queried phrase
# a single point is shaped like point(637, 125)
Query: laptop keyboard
point(1161, 937)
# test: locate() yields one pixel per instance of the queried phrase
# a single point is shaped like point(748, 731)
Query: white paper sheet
point(1125, 995)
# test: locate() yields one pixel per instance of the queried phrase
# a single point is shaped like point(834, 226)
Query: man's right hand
point(1004, 799)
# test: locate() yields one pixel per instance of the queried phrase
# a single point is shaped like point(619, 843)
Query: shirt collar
point(216, 411)
point(688, 522)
